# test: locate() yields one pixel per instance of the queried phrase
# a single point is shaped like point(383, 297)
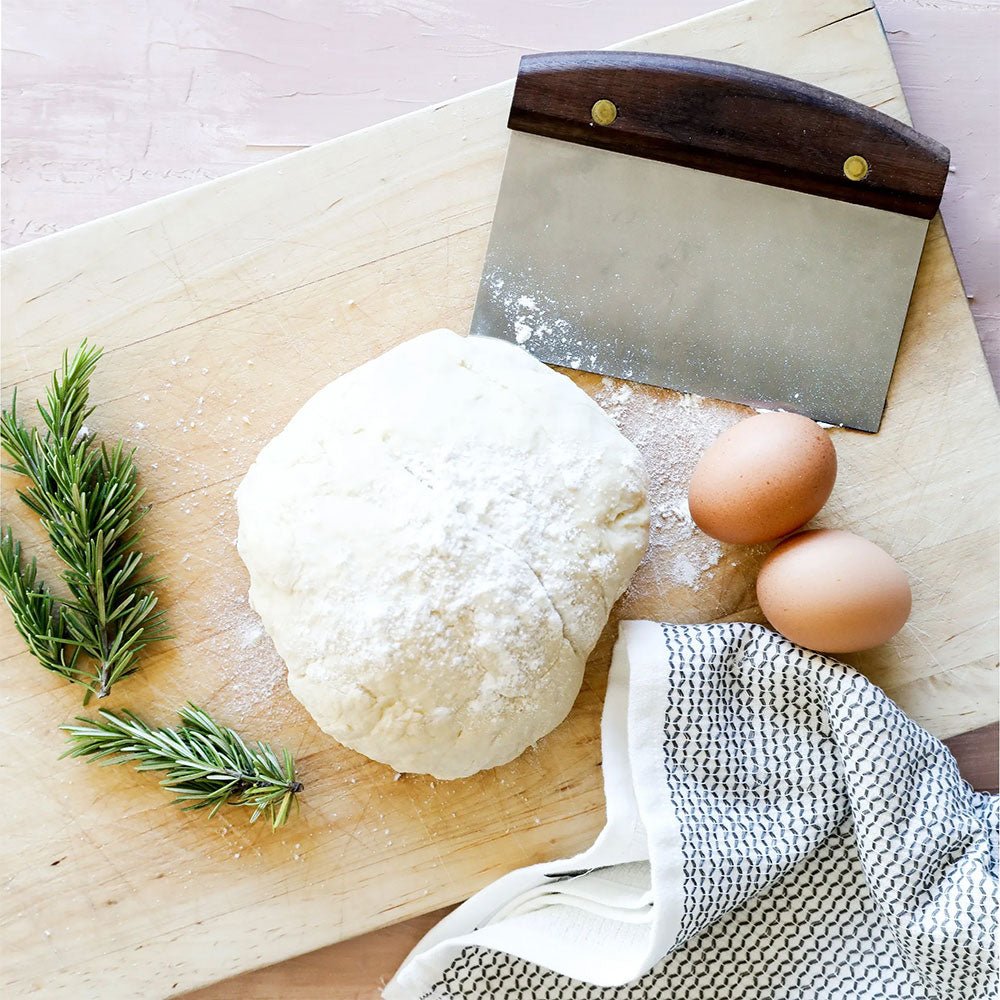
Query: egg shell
point(833, 591)
point(763, 478)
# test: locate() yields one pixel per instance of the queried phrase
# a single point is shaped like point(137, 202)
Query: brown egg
point(762, 479)
point(833, 591)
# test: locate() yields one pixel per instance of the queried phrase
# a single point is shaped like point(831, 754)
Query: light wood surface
point(226, 306)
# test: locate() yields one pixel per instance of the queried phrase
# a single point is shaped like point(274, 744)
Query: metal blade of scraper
point(762, 284)
point(676, 277)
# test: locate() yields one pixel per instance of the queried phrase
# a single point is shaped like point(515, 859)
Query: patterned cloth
point(777, 830)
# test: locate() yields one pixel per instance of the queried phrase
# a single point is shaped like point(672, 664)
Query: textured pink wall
point(111, 103)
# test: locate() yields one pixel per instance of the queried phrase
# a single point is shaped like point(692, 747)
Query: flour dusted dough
point(434, 543)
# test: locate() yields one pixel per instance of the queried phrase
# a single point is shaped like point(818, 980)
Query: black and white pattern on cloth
point(745, 747)
point(830, 849)
point(769, 950)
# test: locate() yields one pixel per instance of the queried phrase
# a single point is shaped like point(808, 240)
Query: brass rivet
point(603, 112)
point(855, 168)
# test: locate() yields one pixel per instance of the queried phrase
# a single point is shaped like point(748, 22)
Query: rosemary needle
point(207, 765)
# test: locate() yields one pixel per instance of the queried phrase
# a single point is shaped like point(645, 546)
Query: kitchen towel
point(776, 829)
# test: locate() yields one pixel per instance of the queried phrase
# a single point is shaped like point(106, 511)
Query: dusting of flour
point(249, 669)
point(671, 430)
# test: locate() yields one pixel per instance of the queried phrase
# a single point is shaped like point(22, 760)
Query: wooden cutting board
point(221, 310)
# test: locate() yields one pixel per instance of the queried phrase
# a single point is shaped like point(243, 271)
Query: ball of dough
point(435, 542)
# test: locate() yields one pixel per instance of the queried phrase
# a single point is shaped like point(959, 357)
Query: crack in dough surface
point(483, 530)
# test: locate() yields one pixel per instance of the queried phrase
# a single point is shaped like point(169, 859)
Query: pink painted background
point(110, 103)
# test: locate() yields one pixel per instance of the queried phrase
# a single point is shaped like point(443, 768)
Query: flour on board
point(672, 431)
point(251, 672)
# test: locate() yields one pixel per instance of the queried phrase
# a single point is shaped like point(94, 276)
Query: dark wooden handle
point(731, 120)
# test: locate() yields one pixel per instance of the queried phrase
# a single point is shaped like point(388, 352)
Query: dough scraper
point(710, 228)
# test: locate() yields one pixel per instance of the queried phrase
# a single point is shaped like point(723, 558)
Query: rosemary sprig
point(89, 503)
point(36, 612)
point(207, 765)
